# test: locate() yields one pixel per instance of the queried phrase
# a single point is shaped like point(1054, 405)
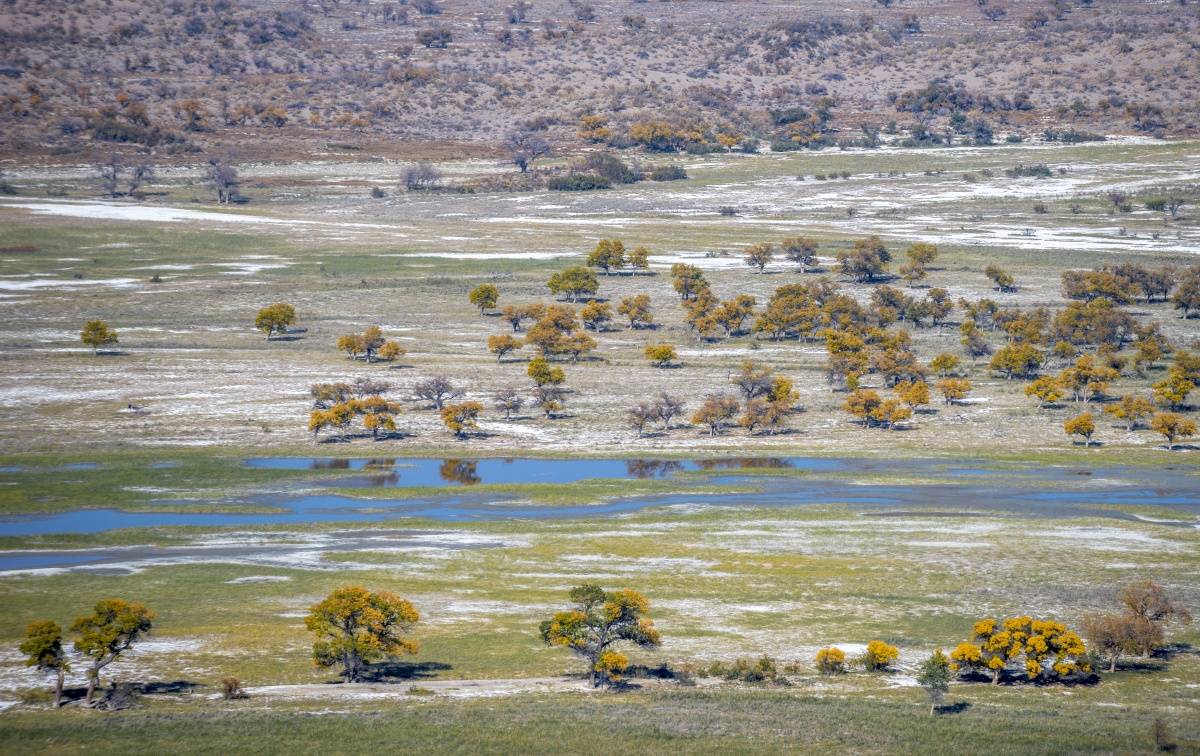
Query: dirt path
point(447, 688)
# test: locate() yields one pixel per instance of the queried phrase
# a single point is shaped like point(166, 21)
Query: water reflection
point(461, 471)
point(651, 468)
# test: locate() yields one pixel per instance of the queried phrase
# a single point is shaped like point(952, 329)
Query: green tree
point(109, 631)
point(639, 258)
point(484, 296)
point(597, 621)
point(355, 627)
point(275, 318)
point(921, 253)
point(545, 374)
point(97, 334)
point(43, 648)
point(573, 283)
point(935, 679)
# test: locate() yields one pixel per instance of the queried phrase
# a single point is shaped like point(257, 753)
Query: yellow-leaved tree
point(599, 620)
point(355, 627)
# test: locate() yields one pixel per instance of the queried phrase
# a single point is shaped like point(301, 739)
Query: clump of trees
point(1046, 650)
point(370, 345)
point(337, 405)
point(1138, 628)
point(355, 627)
point(597, 621)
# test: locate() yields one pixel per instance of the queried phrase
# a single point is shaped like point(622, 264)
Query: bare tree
point(143, 173)
point(525, 147)
point(224, 179)
point(436, 390)
point(510, 401)
point(667, 408)
point(110, 174)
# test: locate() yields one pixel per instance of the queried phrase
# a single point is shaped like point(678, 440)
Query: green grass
point(673, 721)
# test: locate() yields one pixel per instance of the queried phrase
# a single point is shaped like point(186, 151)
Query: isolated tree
point(608, 255)
point(661, 355)
point(934, 678)
point(1131, 409)
point(1001, 278)
point(436, 391)
point(715, 412)
point(524, 147)
point(462, 417)
point(142, 173)
point(97, 334)
point(800, 250)
point(760, 256)
point(1083, 425)
point(636, 309)
point(597, 621)
point(573, 283)
point(484, 296)
point(224, 180)
point(43, 649)
point(421, 176)
point(109, 631)
point(275, 318)
point(1172, 427)
point(595, 315)
point(509, 401)
point(110, 175)
point(953, 390)
point(831, 661)
point(355, 627)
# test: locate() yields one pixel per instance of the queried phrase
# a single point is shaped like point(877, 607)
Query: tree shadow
point(110, 353)
point(385, 672)
point(958, 707)
point(287, 337)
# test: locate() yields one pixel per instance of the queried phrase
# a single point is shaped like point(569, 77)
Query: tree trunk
point(58, 688)
point(1112, 665)
point(93, 678)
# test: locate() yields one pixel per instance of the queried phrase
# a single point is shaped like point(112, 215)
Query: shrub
point(879, 655)
point(232, 690)
point(578, 182)
point(668, 173)
point(831, 661)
